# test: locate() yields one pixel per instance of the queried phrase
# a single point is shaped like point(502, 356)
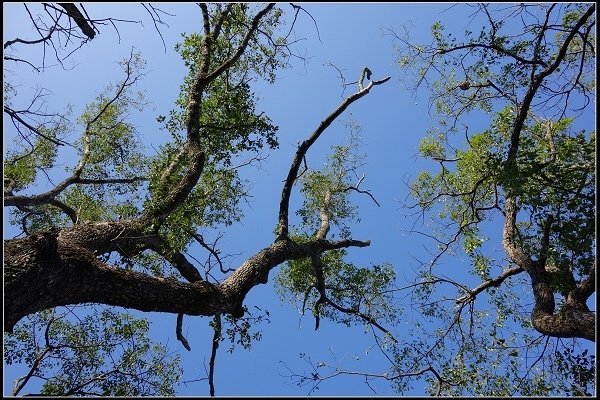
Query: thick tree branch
point(163, 208)
point(256, 269)
point(571, 321)
point(79, 19)
point(44, 271)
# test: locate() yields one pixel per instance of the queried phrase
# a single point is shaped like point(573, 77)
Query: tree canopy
point(116, 230)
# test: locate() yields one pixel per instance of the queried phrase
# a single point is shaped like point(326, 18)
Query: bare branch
point(298, 8)
point(496, 282)
point(213, 353)
point(80, 20)
point(14, 115)
point(282, 230)
point(179, 334)
point(212, 251)
point(156, 18)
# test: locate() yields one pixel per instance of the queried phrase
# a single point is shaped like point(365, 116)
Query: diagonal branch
point(242, 47)
point(283, 229)
point(14, 115)
point(79, 19)
point(523, 111)
point(495, 282)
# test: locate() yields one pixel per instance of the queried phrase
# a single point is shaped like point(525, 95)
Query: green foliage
point(230, 125)
point(110, 144)
point(109, 149)
point(27, 157)
point(102, 353)
point(105, 353)
point(349, 286)
point(245, 330)
point(229, 120)
point(581, 367)
point(551, 176)
point(213, 201)
point(326, 198)
point(328, 190)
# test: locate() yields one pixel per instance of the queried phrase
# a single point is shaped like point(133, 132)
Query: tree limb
point(283, 229)
point(495, 282)
point(79, 19)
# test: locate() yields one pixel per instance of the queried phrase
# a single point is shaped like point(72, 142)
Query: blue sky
point(392, 123)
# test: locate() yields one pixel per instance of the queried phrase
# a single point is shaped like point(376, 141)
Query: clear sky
point(392, 122)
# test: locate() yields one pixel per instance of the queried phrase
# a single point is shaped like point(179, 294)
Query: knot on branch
point(366, 72)
point(47, 242)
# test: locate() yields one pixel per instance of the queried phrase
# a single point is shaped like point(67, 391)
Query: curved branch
point(178, 333)
point(573, 320)
point(71, 213)
point(17, 40)
point(49, 269)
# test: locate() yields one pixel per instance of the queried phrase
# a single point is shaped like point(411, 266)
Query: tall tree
point(530, 73)
point(523, 180)
point(115, 231)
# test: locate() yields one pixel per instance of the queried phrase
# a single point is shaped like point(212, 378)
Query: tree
point(533, 167)
point(115, 230)
point(118, 228)
point(531, 159)
point(529, 73)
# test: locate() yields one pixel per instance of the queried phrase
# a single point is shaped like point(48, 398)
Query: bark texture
point(54, 269)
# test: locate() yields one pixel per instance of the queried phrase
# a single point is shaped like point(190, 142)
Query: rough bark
point(53, 269)
point(574, 319)
point(62, 266)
